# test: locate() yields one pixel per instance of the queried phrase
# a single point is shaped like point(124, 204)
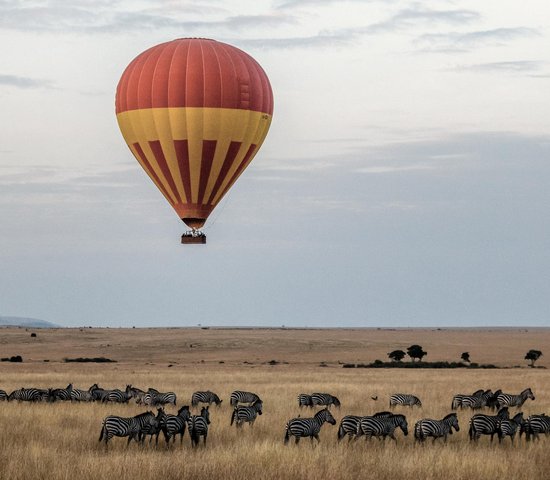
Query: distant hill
point(26, 322)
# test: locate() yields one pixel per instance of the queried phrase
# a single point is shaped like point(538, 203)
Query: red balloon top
point(194, 72)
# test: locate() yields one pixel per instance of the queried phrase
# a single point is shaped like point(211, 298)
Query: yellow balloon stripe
point(165, 125)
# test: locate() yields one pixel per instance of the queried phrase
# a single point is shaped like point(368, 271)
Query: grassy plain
point(60, 440)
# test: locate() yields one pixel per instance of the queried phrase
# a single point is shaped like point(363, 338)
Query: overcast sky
point(405, 180)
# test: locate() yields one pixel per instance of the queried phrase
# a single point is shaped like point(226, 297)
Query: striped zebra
point(154, 397)
point(242, 414)
point(436, 428)
point(458, 398)
point(304, 400)
point(492, 402)
point(509, 400)
point(308, 427)
point(116, 396)
point(477, 402)
point(27, 395)
point(382, 426)
point(3, 396)
point(198, 426)
point(172, 425)
point(205, 397)
point(509, 427)
point(535, 425)
point(404, 399)
point(63, 394)
point(239, 396)
point(134, 392)
point(152, 428)
point(481, 424)
point(78, 395)
point(324, 399)
point(350, 423)
point(98, 393)
point(132, 427)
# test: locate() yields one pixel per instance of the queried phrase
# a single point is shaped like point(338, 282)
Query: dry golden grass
point(60, 440)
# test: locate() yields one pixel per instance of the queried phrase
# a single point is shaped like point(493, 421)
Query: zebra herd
point(247, 406)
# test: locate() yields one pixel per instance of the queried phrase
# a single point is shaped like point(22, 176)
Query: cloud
point(394, 168)
point(466, 41)
point(24, 82)
point(518, 66)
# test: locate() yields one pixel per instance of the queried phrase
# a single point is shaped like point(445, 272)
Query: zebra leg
point(204, 438)
point(297, 440)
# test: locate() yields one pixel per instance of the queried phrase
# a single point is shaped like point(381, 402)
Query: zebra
point(116, 396)
point(3, 396)
point(125, 427)
point(78, 395)
point(349, 424)
point(458, 398)
point(205, 397)
point(478, 401)
point(509, 400)
point(405, 399)
point(152, 427)
point(436, 428)
point(304, 400)
point(308, 427)
point(98, 393)
point(63, 394)
point(172, 425)
point(382, 426)
point(508, 427)
point(535, 425)
point(134, 392)
point(239, 396)
point(154, 397)
point(492, 400)
point(27, 395)
point(243, 414)
point(198, 426)
point(325, 399)
point(481, 424)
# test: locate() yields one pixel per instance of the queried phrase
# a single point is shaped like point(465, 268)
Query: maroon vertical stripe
point(182, 154)
point(163, 164)
point(208, 151)
point(241, 167)
point(229, 159)
point(150, 171)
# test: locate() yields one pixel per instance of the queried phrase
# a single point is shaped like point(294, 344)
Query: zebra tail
point(287, 434)
point(233, 415)
point(102, 432)
point(471, 431)
point(341, 432)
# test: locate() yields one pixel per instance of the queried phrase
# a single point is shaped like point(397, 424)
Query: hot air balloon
point(194, 113)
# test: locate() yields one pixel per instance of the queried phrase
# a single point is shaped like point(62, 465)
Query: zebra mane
point(144, 414)
point(446, 417)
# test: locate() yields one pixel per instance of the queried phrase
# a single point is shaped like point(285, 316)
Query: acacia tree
point(397, 355)
point(416, 351)
point(533, 356)
point(465, 357)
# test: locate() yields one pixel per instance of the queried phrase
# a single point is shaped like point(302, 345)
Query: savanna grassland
point(60, 440)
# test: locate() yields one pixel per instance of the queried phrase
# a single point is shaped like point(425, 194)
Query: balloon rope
point(219, 212)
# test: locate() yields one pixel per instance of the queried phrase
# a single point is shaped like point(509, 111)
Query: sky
point(404, 181)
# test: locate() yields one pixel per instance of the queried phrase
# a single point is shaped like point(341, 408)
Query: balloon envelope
point(194, 112)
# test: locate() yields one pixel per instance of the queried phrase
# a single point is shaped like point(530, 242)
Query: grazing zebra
point(116, 396)
point(78, 395)
point(304, 400)
point(205, 397)
point(172, 425)
point(154, 397)
point(457, 399)
point(243, 414)
point(198, 426)
point(478, 401)
point(350, 423)
point(325, 399)
point(535, 425)
point(239, 396)
point(481, 424)
point(27, 395)
point(404, 399)
point(308, 427)
point(492, 400)
point(3, 396)
point(436, 428)
point(382, 426)
point(509, 400)
point(63, 394)
point(508, 427)
point(126, 427)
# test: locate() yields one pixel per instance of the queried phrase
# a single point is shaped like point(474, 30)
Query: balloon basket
point(192, 237)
